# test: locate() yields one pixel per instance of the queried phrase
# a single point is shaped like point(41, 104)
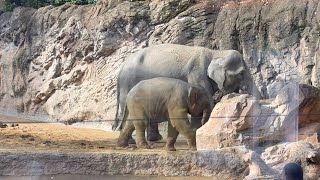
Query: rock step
point(223, 163)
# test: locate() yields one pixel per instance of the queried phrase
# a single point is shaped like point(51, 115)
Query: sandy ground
point(29, 141)
point(30, 136)
point(94, 177)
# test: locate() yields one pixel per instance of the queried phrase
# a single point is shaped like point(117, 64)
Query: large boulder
point(231, 116)
point(240, 119)
point(299, 152)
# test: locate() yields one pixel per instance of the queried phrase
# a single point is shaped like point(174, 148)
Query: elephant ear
point(216, 72)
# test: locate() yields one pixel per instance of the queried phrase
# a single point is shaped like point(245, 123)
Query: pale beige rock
point(242, 120)
point(257, 167)
point(298, 106)
point(232, 115)
point(300, 152)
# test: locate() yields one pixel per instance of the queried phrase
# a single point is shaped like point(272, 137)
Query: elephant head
point(231, 74)
point(200, 106)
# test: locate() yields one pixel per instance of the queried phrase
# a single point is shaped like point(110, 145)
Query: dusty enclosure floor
point(45, 149)
point(60, 137)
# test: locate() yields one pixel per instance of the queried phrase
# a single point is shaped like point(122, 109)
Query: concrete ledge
point(224, 163)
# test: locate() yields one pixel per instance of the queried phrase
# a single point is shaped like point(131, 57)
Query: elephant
point(165, 99)
point(210, 69)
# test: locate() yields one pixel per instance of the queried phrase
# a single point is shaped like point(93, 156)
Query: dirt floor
point(31, 136)
point(33, 148)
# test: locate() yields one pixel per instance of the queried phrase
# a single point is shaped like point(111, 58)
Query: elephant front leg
point(192, 140)
point(203, 81)
point(172, 137)
point(190, 134)
point(183, 126)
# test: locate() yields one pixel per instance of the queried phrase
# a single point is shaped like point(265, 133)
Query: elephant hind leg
point(125, 135)
point(140, 126)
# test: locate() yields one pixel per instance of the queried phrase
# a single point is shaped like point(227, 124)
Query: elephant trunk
point(205, 116)
point(250, 88)
point(197, 122)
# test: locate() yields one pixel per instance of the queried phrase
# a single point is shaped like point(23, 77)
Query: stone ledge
point(223, 163)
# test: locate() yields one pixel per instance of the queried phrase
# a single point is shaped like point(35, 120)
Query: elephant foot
point(131, 140)
point(122, 144)
point(170, 148)
point(155, 137)
point(143, 146)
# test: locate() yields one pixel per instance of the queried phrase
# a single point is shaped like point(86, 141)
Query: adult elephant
point(210, 69)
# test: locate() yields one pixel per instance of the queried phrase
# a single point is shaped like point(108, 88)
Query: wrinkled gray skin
point(164, 99)
point(199, 66)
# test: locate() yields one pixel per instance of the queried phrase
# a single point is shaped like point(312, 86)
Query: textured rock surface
point(63, 61)
point(291, 115)
point(231, 116)
point(300, 152)
point(225, 163)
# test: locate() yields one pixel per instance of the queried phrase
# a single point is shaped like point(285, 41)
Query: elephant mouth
point(242, 89)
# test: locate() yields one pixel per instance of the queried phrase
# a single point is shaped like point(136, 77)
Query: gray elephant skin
point(210, 69)
point(164, 99)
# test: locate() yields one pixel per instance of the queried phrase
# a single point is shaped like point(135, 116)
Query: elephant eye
point(233, 77)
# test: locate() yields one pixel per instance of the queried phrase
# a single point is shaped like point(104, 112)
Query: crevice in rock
point(235, 35)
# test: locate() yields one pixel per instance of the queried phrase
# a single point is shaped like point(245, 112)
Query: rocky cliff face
point(63, 61)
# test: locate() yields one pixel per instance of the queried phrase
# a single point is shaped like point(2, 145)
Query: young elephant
point(165, 99)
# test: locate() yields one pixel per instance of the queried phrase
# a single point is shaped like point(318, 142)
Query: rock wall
point(1, 4)
point(63, 61)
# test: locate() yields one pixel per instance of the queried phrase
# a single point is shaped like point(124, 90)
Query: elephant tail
point(123, 118)
point(116, 120)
